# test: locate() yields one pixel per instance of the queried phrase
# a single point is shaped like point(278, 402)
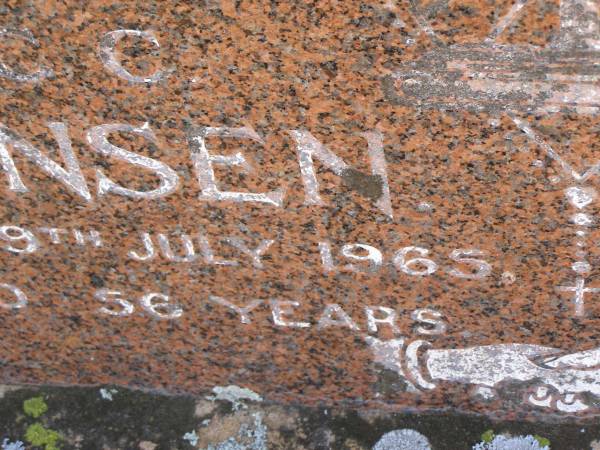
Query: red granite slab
point(401, 195)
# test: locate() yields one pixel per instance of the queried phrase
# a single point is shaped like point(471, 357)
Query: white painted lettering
point(107, 55)
point(114, 297)
point(435, 325)
point(53, 233)
point(363, 253)
point(203, 164)
point(148, 247)
point(97, 137)
point(280, 309)
point(411, 266)
point(254, 254)
point(208, 254)
point(71, 177)
point(188, 247)
point(92, 236)
point(326, 257)
point(379, 167)
point(160, 309)
point(482, 268)
point(334, 316)
point(6, 72)
point(389, 318)
point(21, 298)
point(242, 311)
point(13, 234)
point(308, 148)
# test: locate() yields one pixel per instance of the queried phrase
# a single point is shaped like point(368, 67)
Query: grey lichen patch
point(254, 428)
point(406, 439)
point(7, 445)
point(107, 394)
point(514, 443)
point(370, 186)
point(191, 437)
point(236, 395)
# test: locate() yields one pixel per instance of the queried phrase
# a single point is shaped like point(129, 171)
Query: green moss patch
point(39, 436)
point(35, 407)
point(542, 440)
point(487, 436)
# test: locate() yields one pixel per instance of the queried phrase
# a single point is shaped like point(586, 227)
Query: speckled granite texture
point(475, 192)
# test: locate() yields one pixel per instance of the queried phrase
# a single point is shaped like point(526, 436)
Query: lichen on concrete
point(6, 445)
point(235, 394)
point(512, 443)
point(406, 439)
point(79, 419)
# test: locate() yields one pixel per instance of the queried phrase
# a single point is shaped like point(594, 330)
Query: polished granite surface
point(386, 205)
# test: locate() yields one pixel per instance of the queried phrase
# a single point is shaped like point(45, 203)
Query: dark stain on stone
point(96, 281)
point(370, 186)
point(389, 90)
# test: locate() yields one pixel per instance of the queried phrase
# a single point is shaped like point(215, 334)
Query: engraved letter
point(283, 308)
point(208, 254)
point(71, 177)
point(308, 148)
point(203, 164)
point(372, 321)
point(431, 318)
point(483, 268)
point(110, 61)
point(18, 293)
point(97, 137)
point(149, 247)
point(104, 295)
point(242, 311)
point(408, 266)
point(53, 233)
point(154, 308)
point(327, 318)
point(14, 234)
point(254, 254)
point(93, 237)
point(188, 246)
point(326, 257)
point(357, 252)
point(11, 74)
